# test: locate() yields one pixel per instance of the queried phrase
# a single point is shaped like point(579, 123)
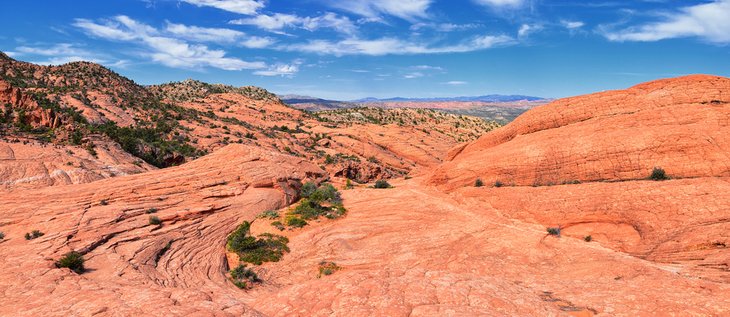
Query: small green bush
point(278, 225)
point(269, 214)
point(33, 234)
point(588, 238)
point(554, 231)
point(328, 268)
point(381, 184)
point(151, 211)
point(266, 248)
point(72, 260)
point(295, 222)
point(498, 184)
point(104, 202)
point(478, 183)
point(307, 189)
point(244, 277)
point(2, 235)
point(658, 174)
point(154, 220)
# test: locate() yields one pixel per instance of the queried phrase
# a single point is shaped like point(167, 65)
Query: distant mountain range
point(298, 99)
point(486, 98)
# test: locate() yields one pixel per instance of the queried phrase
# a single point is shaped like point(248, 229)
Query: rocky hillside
point(84, 108)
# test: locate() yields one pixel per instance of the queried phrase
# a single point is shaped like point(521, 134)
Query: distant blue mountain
point(486, 98)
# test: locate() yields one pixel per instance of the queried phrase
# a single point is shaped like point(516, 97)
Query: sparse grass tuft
point(295, 221)
point(33, 234)
point(154, 220)
point(269, 214)
point(72, 260)
point(278, 225)
point(554, 231)
point(381, 184)
point(244, 277)
point(328, 268)
point(658, 174)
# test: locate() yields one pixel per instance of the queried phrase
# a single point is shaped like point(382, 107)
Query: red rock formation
point(677, 124)
point(131, 271)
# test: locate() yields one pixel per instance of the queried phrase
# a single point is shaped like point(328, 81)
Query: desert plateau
point(198, 192)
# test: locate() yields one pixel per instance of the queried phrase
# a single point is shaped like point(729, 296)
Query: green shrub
point(103, 202)
point(478, 183)
point(266, 248)
point(154, 220)
point(588, 238)
point(295, 222)
point(2, 235)
point(307, 189)
point(554, 231)
point(269, 214)
point(658, 174)
point(381, 183)
point(278, 225)
point(244, 277)
point(33, 234)
point(498, 184)
point(72, 260)
point(328, 268)
point(326, 192)
point(151, 211)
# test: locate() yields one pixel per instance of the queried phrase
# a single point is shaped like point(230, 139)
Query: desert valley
point(614, 203)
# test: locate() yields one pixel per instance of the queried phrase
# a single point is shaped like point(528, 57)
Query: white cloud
point(393, 46)
point(200, 34)
point(428, 67)
point(527, 29)
point(455, 83)
point(284, 70)
point(572, 25)
point(708, 21)
point(444, 27)
point(501, 3)
point(248, 7)
point(166, 50)
point(374, 9)
point(57, 54)
point(217, 35)
point(58, 49)
point(279, 21)
point(413, 75)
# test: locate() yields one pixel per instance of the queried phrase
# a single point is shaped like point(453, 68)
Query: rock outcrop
point(134, 267)
point(678, 124)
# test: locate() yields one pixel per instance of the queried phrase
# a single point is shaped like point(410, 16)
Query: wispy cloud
point(501, 3)
point(62, 53)
point(455, 83)
point(527, 29)
point(410, 10)
point(167, 49)
point(248, 7)
point(284, 70)
point(572, 25)
point(394, 46)
point(708, 21)
point(277, 22)
point(444, 27)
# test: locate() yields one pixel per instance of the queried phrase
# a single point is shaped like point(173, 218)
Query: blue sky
point(348, 49)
